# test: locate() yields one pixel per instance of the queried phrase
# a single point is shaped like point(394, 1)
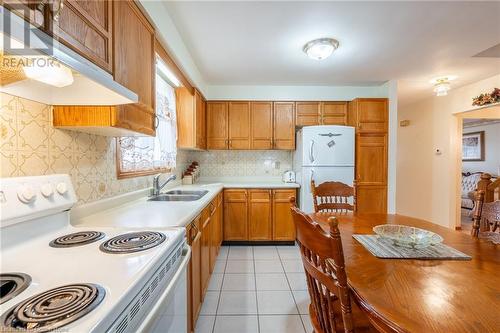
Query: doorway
point(478, 152)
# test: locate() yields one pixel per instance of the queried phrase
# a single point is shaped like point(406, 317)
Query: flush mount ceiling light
point(321, 48)
point(442, 84)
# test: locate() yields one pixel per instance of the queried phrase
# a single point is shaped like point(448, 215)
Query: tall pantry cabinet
point(370, 118)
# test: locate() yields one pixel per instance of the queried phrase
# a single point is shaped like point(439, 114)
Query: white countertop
point(139, 213)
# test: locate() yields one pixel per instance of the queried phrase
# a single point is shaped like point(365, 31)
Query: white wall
point(296, 93)
point(427, 182)
point(491, 164)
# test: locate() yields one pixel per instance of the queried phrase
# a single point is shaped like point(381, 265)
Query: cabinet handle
point(59, 9)
point(55, 14)
point(157, 122)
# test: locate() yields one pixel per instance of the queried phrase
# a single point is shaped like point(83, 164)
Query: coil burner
point(12, 284)
point(77, 239)
point(53, 308)
point(133, 242)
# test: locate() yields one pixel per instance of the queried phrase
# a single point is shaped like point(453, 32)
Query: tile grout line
point(293, 296)
point(220, 291)
point(256, 298)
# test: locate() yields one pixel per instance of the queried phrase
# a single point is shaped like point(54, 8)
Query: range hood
point(70, 80)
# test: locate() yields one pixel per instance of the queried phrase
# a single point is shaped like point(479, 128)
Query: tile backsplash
point(30, 146)
point(234, 163)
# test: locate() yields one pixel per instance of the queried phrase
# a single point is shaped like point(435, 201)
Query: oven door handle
point(153, 313)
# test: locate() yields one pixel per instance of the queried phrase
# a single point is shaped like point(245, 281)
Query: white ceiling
point(260, 43)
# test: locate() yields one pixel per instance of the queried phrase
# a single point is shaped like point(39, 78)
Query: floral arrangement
point(484, 99)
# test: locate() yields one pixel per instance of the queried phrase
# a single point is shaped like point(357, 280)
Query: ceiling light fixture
point(321, 48)
point(442, 84)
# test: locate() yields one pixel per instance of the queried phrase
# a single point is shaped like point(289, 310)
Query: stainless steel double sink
point(179, 195)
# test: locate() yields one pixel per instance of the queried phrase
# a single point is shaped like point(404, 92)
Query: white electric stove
point(84, 279)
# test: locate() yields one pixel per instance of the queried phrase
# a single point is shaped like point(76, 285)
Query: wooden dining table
point(408, 295)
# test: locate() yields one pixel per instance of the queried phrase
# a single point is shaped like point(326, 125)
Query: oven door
point(169, 314)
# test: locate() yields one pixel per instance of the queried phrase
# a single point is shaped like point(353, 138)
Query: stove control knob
point(47, 190)
point(26, 194)
point(62, 188)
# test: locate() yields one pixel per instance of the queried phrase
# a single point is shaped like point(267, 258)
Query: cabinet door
point(371, 159)
point(371, 199)
point(31, 11)
point(134, 60)
point(239, 125)
point(86, 27)
point(195, 275)
point(284, 125)
point(205, 250)
point(283, 226)
point(235, 215)
point(201, 134)
point(217, 125)
point(259, 215)
point(262, 125)
point(371, 114)
point(334, 113)
point(307, 113)
point(185, 109)
point(213, 234)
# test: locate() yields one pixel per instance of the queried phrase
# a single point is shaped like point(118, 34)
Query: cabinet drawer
point(259, 195)
point(235, 195)
point(284, 194)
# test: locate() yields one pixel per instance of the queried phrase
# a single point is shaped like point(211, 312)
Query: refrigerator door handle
point(311, 155)
point(312, 176)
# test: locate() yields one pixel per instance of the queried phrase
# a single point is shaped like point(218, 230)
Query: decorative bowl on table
point(403, 235)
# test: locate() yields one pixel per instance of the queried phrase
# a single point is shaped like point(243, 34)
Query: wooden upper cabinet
point(284, 125)
point(190, 107)
point(30, 11)
point(334, 113)
point(283, 227)
point(259, 215)
point(217, 125)
point(369, 114)
point(307, 113)
point(262, 125)
point(134, 59)
point(239, 125)
point(86, 27)
point(235, 215)
point(201, 120)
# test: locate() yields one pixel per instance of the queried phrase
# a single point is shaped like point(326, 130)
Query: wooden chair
point(486, 218)
point(323, 259)
point(333, 197)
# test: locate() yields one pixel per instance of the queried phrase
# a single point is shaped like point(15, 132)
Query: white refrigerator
point(324, 153)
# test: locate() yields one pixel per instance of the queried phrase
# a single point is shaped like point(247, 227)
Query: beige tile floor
point(256, 289)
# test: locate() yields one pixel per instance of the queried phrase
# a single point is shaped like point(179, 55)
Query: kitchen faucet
point(156, 183)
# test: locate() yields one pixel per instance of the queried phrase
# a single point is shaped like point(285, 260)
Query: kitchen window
point(141, 156)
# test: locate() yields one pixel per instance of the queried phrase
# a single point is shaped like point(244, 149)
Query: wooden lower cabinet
point(205, 249)
point(283, 226)
point(371, 199)
point(204, 235)
point(194, 273)
point(235, 215)
point(258, 215)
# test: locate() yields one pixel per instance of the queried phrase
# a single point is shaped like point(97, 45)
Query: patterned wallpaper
point(232, 163)
point(30, 146)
